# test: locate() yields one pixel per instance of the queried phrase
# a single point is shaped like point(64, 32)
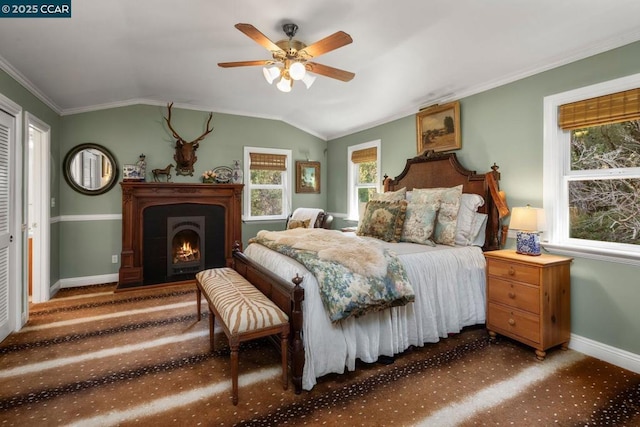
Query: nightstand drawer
point(514, 294)
point(513, 271)
point(513, 322)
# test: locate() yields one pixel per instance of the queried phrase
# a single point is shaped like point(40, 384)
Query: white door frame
point(18, 300)
point(41, 274)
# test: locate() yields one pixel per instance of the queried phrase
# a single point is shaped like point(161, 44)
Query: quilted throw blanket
point(355, 276)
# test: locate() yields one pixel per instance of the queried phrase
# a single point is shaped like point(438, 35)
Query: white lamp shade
point(308, 80)
point(271, 73)
point(527, 219)
point(284, 85)
point(297, 71)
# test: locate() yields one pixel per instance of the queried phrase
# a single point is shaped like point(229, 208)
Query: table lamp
point(528, 222)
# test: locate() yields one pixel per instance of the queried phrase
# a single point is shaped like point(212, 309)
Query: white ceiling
point(406, 54)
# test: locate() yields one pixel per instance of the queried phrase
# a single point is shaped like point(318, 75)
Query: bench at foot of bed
point(244, 313)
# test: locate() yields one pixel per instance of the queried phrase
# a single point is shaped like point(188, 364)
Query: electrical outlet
point(53, 202)
point(114, 259)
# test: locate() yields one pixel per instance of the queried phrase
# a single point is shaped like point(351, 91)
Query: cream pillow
point(448, 200)
point(391, 196)
point(465, 231)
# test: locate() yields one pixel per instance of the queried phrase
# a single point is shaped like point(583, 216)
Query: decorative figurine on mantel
point(142, 167)
point(236, 175)
point(185, 155)
point(159, 172)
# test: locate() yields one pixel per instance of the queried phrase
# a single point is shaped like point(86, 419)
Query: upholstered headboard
point(432, 170)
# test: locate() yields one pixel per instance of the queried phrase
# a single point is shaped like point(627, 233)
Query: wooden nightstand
point(529, 299)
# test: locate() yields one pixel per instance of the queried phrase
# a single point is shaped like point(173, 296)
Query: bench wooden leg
point(198, 299)
point(212, 324)
point(234, 371)
point(284, 348)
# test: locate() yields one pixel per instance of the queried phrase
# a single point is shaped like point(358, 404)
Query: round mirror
point(90, 169)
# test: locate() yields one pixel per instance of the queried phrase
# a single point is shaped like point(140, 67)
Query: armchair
point(318, 217)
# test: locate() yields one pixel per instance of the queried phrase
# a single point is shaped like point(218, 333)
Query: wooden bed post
point(499, 200)
point(297, 356)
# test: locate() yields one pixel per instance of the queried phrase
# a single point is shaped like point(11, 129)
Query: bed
point(448, 281)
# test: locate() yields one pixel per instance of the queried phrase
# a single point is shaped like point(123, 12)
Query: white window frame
point(352, 188)
point(286, 184)
point(557, 175)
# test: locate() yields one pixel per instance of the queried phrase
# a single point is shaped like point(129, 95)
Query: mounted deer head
point(185, 155)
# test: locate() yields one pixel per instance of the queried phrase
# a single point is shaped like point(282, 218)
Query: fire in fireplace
point(185, 245)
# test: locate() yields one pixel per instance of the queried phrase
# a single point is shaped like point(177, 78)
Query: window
point(592, 170)
point(363, 176)
point(267, 191)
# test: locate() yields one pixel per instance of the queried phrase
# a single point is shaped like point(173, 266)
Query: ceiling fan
point(292, 58)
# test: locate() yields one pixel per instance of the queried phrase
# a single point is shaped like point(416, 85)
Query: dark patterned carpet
point(92, 357)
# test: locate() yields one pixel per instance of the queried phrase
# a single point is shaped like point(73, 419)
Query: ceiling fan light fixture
point(290, 58)
point(285, 85)
point(271, 73)
point(297, 71)
point(308, 79)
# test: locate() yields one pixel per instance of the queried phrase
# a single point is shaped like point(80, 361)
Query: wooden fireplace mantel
point(137, 196)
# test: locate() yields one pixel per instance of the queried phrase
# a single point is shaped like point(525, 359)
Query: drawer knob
point(512, 271)
point(512, 295)
point(512, 322)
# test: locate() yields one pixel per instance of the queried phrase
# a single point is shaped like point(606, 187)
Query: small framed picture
point(307, 177)
point(131, 173)
point(438, 128)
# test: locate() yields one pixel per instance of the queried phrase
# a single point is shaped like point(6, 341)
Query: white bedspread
point(449, 283)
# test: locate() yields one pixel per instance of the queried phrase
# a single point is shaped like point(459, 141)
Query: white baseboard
point(74, 282)
point(624, 359)
point(54, 289)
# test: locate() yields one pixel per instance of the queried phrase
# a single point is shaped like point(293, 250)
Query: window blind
point(614, 108)
point(265, 161)
point(366, 155)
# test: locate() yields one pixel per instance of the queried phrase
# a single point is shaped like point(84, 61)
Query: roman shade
point(613, 108)
point(365, 155)
point(265, 161)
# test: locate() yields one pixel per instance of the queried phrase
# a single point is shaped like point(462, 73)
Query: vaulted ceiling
point(405, 54)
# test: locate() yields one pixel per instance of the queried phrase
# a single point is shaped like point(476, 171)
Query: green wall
point(505, 125)
point(86, 247)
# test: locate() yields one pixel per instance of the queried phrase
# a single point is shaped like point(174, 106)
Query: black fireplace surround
point(156, 240)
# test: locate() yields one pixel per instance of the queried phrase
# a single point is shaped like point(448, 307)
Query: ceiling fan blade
point(258, 37)
point(327, 44)
point(245, 63)
point(334, 73)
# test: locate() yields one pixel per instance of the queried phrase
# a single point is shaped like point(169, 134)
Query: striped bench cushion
point(241, 306)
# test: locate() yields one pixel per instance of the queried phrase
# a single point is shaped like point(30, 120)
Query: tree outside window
point(605, 208)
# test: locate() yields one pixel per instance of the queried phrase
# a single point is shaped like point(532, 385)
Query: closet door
point(6, 145)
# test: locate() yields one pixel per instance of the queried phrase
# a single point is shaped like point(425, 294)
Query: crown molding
point(26, 83)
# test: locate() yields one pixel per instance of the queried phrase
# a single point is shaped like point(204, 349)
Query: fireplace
point(185, 245)
point(158, 217)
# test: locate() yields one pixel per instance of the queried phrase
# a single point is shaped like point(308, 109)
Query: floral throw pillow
point(448, 200)
point(297, 223)
point(419, 223)
point(383, 220)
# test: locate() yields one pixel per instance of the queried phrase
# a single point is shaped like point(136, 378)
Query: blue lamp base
point(527, 243)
